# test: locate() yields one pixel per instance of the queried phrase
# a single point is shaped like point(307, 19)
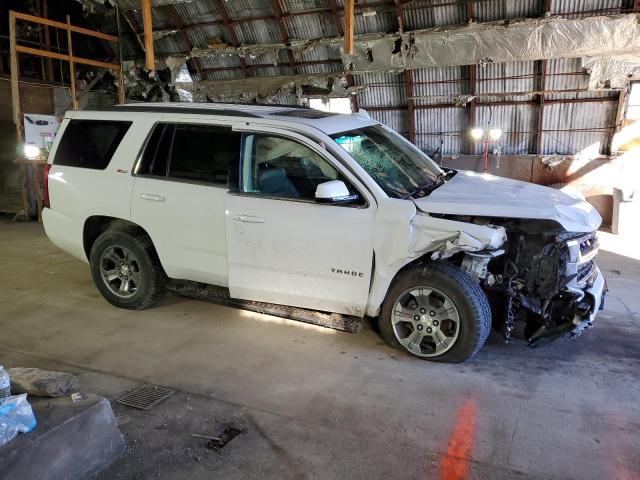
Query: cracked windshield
point(400, 169)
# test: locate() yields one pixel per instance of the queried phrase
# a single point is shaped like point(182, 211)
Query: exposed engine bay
point(542, 276)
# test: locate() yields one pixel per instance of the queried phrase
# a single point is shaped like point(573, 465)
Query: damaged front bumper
point(586, 281)
point(574, 308)
point(594, 295)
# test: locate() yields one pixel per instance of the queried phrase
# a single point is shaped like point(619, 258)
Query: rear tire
point(126, 269)
point(436, 312)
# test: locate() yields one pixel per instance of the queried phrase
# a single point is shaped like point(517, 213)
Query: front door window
point(281, 168)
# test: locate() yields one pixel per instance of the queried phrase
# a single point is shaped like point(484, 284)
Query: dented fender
point(404, 234)
point(447, 237)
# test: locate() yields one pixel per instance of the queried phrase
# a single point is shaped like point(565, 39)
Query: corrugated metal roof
point(489, 10)
point(426, 16)
point(201, 35)
point(197, 12)
point(382, 21)
point(257, 31)
point(518, 119)
point(247, 8)
point(303, 27)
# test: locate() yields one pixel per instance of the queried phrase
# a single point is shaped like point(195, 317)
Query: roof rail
point(146, 108)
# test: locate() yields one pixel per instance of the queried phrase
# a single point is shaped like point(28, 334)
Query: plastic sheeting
point(611, 71)
point(503, 41)
point(608, 45)
point(16, 416)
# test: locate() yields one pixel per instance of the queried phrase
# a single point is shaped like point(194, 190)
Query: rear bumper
point(594, 295)
point(64, 231)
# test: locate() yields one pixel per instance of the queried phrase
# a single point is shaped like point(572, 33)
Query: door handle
point(152, 198)
point(249, 219)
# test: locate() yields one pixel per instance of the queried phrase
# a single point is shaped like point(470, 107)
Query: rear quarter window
point(90, 143)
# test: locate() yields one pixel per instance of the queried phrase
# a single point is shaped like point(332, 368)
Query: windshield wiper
point(430, 187)
point(427, 187)
point(445, 175)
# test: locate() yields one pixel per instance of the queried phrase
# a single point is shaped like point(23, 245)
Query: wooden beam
point(349, 26)
point(472, 88)
point(74, 29)
point(72, 70)
point(350, 81)
point(47, 40)
point(61, 56)
point(15, 87)
point(147, 23)
point(121, 88)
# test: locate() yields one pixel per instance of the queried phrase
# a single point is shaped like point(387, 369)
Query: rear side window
point(90, 143)
point(154, 158)
point(201, 153)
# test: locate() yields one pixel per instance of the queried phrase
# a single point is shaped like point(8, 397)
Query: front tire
point(437, 312)
point(126, 269)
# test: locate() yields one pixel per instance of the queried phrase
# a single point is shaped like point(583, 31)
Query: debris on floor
point(224, 434)
point(16, 416)
point(43, 383)
point(76, 397)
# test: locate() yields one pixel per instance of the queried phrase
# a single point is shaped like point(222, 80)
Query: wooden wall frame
point(15, 49)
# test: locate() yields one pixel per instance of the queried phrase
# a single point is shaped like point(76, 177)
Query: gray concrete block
point(72, 441)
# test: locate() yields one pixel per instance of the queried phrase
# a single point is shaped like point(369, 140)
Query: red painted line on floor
point(623, 453)
point(455, 464)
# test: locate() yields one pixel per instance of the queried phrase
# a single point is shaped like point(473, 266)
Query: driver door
point(284, 247)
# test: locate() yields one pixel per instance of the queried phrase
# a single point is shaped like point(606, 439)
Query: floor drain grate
point(145, 397)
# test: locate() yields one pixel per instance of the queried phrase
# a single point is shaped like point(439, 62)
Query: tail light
point(45, 185)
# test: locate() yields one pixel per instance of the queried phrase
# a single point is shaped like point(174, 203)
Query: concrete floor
point(316, 403)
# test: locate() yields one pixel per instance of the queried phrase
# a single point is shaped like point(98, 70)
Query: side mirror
point(334, 191)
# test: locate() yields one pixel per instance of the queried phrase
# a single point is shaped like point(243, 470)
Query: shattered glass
point(396, 166)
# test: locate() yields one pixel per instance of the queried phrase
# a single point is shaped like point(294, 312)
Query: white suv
point(336, 213)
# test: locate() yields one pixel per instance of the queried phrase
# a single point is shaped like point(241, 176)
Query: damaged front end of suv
point(542, 276)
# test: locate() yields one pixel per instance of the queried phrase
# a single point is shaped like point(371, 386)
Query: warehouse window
point(90, 143)
point(332, 105)
point(633, 109)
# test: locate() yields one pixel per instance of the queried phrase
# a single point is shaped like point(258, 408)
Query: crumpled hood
point(470, 193)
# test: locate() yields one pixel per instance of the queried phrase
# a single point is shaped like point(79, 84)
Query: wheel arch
point(382, 283)
point(96, 225)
